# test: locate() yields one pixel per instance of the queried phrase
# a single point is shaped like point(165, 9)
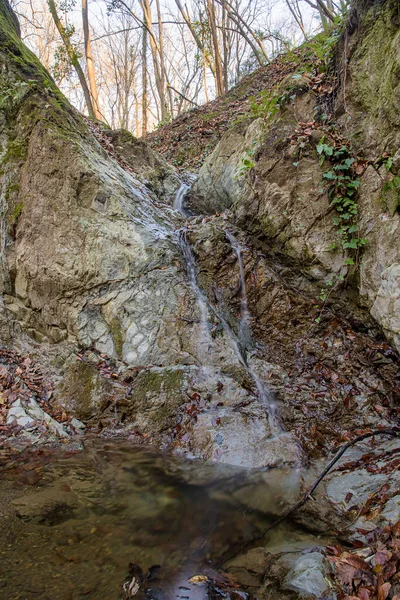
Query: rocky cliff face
point(92, 259)
point(228, 337)
point(281, 196)
point(188, 334)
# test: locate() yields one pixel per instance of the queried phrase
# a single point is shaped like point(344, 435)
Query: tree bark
point(225, 44)
point(89, 62)
point(72, 57)
point(159, 71)
point(219, 75)
point(145, 99)
point(261, 53)
point(196, 38)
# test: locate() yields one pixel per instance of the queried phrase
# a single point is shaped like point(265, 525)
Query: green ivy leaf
point(353, 243)
point(353, 229)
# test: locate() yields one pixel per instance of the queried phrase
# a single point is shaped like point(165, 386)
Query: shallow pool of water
point(71, 525)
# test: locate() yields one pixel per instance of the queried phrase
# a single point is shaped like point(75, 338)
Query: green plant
point(247, 162)
point(343, 187)
point(13, 216)
point(12, 92)
point(266, 104)
point(319, 52)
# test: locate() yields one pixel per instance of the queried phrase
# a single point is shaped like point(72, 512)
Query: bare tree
point(90, 62)
point(73, 57)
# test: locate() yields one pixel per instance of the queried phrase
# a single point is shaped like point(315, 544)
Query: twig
point(183, 96)
point(395, 431)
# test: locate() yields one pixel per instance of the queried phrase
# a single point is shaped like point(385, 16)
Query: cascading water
point(205, 339)
point(245, 337)
point(245, 333)
point(240, 343)
point(179, 204)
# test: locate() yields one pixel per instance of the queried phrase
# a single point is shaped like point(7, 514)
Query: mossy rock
point(157, 395)
point(83, 389)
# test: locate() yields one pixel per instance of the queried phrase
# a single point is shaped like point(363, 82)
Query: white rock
point(307, 577)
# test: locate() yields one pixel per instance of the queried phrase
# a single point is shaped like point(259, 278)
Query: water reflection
point(93, 514)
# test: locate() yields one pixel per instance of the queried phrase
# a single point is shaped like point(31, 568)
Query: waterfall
point(205, 340)
point(245, 333)
point(244, 338)
point(241, 342)
point(179, 203)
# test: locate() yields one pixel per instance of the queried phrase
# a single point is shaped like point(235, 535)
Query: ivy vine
point(343, 189)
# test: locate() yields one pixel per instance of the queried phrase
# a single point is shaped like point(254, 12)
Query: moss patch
point(118, 336)
point(158, 394)
point(375, 69)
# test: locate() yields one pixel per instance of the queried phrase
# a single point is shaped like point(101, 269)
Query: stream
point(93, 513)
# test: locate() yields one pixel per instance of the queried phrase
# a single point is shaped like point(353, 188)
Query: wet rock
point(308, 576)
point(30, 413)
point(207, 415)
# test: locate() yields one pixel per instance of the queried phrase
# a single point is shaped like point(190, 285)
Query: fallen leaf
point(383, 591)
point(364, 594)
point(198, 579)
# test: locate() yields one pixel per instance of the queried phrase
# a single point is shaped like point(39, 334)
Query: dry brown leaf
point(364, 594)
point(383, 591)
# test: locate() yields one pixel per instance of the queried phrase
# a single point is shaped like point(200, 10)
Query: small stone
point(76, 424)
point(307, 577)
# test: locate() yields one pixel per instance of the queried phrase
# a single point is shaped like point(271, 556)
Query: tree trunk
point(90, 62)
point(195, 36)
point(72, 57)
point(158, 69)
point(219, 75)
point(225, 45)
point(145, 98)
point(261, 53)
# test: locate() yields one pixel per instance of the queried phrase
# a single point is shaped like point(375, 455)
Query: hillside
point(190, 138)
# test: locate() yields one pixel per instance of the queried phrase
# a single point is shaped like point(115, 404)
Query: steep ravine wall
point(95, 287)
point(281, 197)
point(91, 262)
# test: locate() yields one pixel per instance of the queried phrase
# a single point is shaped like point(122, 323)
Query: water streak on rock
point(240, 343)
point(244, 339)
point(205, 340)
point(245, 333)
point(179, 204)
